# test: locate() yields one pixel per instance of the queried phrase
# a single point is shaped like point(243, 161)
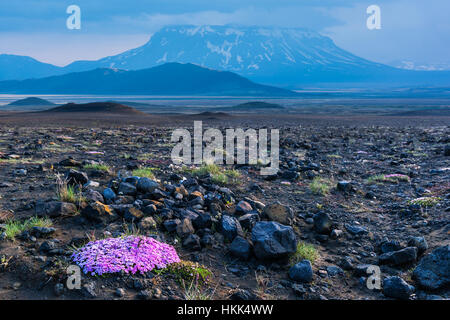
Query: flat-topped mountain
point(286, 57)
point(167, 79)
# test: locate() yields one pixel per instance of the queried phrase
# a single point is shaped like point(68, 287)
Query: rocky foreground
point(346, 199)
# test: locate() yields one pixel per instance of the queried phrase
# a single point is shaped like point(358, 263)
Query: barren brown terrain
point(347, 187)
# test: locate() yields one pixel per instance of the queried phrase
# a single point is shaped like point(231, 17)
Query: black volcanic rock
point(256, 105)
point(101, 107)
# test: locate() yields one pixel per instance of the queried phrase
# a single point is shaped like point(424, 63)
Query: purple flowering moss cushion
point(128, 254)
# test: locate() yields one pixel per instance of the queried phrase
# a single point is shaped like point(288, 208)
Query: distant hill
point(436, 112)
point(99, 107)
point(23, 67)
point(255, 105)
point(167, 79)
point(31, 101)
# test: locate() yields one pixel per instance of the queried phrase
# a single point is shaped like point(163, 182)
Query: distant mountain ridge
point(14, 67)
point(288, 57)
point(31, 101)
point(97, 107)
point(167, 79)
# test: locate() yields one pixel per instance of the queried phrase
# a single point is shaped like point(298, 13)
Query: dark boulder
point(240, 248)
point(397, 288)
point(301, 272)
point(230, 227)
point(400, 257)
point(433, 270)
point(272, 240)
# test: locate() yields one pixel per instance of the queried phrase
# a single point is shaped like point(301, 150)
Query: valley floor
point(388, 161)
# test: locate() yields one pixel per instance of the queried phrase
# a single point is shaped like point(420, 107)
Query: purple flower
point(129, 254)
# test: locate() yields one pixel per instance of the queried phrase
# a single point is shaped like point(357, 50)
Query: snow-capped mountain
point(260, 53)
point(285, 57)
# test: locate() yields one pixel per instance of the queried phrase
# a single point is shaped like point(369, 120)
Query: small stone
point(171, 225)
point(347, 263)
point(345, 186)
point(70, 163)
point(75, 177)
point(240, 248)
point(185, 228)
point(230, 227)
point(420, 243)
point(242, 294)
point(47, 246)
point(99, 212)
point(355, 229)
point(55, 209)
point(20, 172)
point(150, 210)
point(202, 221)
point(336, 233)
point(92, 196)
point(192, 242)
point(91, 184)
point(146, 185)
point(322, 223)
point(333, 271)
point(119, 292)
point(42, 232)
point(143, 295)
point(272, 240)
point(148, 223)
point(301, 272)
point(299, 289)
point(279, 213)
point(248, 220)
point(58, 289)
point(433, 271)
point(389, 246)
point(127, 189)
point(361, 269)
point(396, 287)
point(400, 257)
point(88, 290)
point(243, 207)
point(16, 285)
point(133, 214)
point(109, 195)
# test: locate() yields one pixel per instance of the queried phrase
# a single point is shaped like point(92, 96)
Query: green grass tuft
point(98, 167)
point(304, 251)
point(320, 186)
point(187, 271)
point(425, 201)
point(14, 227)
point(218, 175)
point(70, 194)
point(144, 173)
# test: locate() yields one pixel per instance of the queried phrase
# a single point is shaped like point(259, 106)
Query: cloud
point(411, 31)
point(293, 16)
point(62, 49)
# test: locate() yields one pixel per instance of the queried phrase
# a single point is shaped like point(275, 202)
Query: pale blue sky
point(414, 30)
